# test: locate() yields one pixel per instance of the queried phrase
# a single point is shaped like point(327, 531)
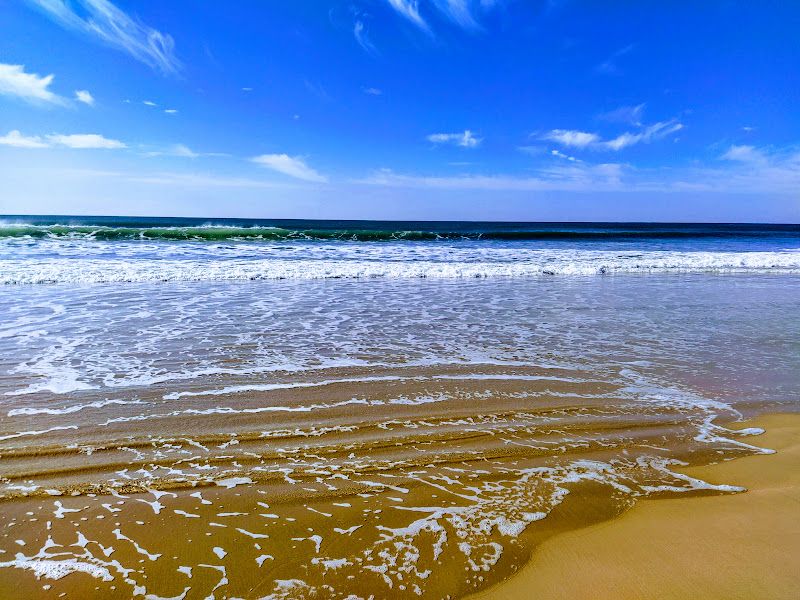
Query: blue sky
point(436, 109)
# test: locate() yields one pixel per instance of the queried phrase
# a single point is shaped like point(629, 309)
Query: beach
point(353, 413)
point(733, 546)
point(399, 300)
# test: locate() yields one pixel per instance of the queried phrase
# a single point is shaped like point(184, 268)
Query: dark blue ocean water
point(721, 236)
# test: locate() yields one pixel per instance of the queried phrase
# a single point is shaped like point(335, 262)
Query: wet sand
point(727, 546)
point(339, 440)
point(440, 483)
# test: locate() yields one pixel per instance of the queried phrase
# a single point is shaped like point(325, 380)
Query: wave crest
point(532, 264)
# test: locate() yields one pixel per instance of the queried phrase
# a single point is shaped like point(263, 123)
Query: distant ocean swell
point(530, 264)
point(354, 234)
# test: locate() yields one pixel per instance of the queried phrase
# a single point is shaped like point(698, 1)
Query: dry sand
point(732, 546)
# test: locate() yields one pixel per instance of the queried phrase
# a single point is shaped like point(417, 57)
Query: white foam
point(317, 539)
point(251, 534)
point(29, 410)
point(331, 563)
point(347, 531)
point(120, 536)
point(37, 432)
point(60, 510)
point(56, 569)
point(232, 482)
point(439, 262)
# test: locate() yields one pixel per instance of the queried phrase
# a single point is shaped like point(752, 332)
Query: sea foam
point(386, 265)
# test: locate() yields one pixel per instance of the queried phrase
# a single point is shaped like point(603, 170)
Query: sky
point(402, 109)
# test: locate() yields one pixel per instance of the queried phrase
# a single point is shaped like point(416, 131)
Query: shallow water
point(361, 437)
point(390, 436)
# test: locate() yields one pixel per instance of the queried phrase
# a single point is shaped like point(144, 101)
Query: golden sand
point(420, 482)
point(728, 546)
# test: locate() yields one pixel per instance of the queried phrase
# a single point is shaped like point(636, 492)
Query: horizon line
point(329, 220)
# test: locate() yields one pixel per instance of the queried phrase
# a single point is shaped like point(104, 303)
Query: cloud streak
point(648, 134)
point(182, 151)
point(630, 115)
point(744, 170)
point(409, 9)
point(293, 166)
point(29, 87)
point(461, 13)
point(86, 141)
point(82, 141)
point(572, 177)
point(571, 138)
point(585, 140)
point(609, 66)
point(465, 139)
point(360, 33)
point(745, 154)
point(102, 20)
point(16, 140)
point(85, 97)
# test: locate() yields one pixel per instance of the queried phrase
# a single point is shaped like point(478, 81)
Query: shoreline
point(742, 545)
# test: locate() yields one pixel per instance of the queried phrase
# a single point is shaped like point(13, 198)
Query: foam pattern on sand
point(342, 439)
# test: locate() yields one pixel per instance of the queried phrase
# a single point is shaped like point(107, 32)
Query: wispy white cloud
point(748, 169)
point(463, 13)
point(86, 141)
point(76, 140)
point(85, 97)
point(583, 139)
point(572, 138)
point(293, 166)
point(744, 170)
point(609, 66)
point(555, 178)
point(459, 11)
point(630, 115)
point(371, 91)
point(181, 151)
point(648, 134)
point(410, 10)
point(30, 87)
point(465, 139)
point(171, 111)
point(360, 33)
point(559, 154)
point(149, 103)
point(17, 140)
point(745, 154)
point(104, 21)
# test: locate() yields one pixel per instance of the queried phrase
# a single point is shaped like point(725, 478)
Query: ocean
point(135, 249)
point(345, 409)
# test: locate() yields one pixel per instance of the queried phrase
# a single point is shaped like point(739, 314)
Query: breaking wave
point(526, 264)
